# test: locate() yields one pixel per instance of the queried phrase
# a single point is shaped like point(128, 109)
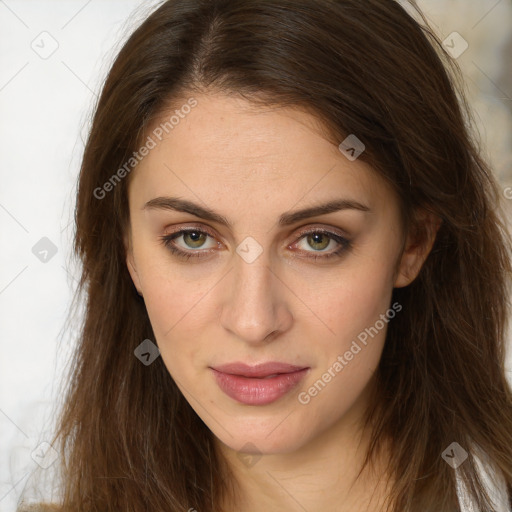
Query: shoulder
point(495, 485)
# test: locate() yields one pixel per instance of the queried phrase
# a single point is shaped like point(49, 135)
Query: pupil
point(316, 240)
point(194, 237)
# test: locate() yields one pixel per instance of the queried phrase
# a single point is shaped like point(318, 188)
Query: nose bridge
point(253, 307)
point(252, 282)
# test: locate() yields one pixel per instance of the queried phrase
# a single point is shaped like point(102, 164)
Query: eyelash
point(167, 241)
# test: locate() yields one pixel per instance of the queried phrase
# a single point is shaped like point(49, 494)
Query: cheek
point(172, 291)
point(353, 301)
point(346, 361)
point(357, 309)
point(175, 307)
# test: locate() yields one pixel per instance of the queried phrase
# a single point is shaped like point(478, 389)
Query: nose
point(255, 308)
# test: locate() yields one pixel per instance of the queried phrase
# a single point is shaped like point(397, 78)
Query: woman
point(295, 271)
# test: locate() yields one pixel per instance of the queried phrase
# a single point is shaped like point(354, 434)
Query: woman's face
point(252, 281)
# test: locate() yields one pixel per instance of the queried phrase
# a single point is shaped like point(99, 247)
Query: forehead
point(227, 149)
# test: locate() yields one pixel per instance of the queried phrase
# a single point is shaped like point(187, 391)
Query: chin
point(264, 437)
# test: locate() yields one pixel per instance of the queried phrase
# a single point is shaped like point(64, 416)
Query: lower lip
point(252, 391)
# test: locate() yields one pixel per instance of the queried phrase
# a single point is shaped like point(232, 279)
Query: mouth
point(258, 385)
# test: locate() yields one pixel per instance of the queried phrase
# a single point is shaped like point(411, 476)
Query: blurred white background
point(55, 55)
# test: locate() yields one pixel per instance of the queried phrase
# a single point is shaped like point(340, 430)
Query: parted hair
point(128, 439)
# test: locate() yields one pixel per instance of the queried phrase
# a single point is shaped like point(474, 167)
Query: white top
point(495, 485)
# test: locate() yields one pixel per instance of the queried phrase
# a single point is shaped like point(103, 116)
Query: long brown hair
point(128, 439)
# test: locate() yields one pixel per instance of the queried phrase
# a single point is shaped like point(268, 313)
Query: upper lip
point(259, 370)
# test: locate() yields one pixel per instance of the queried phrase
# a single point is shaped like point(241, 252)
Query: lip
point(260, 384)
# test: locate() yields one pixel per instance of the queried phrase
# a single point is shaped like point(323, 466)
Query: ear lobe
point(417, 247)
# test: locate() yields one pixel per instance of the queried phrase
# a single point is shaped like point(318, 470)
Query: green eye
point(195, 238)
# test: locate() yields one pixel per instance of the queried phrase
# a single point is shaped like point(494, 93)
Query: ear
point(130, 261)
point(417, 247)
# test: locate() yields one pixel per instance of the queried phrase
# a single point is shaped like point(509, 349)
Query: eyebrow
point(286, 219)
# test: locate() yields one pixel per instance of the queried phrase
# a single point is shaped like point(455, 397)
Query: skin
point(251, 165)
